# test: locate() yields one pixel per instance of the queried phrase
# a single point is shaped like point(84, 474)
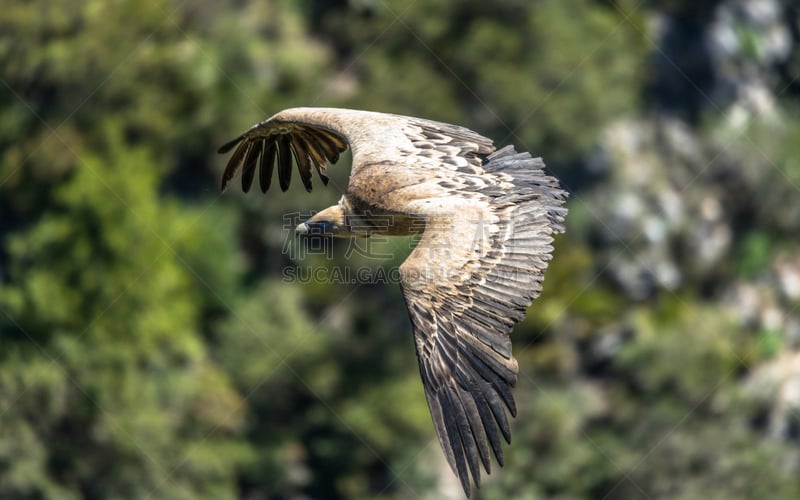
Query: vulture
point(485, 220)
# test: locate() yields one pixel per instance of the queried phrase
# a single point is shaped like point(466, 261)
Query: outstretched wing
point(478, 266)
point(315, 136)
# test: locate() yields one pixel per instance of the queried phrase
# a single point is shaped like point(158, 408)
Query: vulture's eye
point(319, 228)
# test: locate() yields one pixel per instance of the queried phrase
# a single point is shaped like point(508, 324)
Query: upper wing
point(478, 266)
point(314, 136)
point(274, 142)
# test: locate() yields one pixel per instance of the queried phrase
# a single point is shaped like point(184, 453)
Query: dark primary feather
point(308, 146)
point(267, 165)
point(250, 162)
point(284, 162)
point(225, 148)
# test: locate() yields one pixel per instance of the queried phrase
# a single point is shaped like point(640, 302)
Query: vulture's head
point(329, 222)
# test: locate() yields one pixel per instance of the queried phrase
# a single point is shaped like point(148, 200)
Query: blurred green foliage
point(149, 347)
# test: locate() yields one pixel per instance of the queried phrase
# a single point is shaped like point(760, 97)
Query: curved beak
point(301, 228)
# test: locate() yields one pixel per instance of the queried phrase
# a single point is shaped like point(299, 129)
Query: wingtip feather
point(225, 148)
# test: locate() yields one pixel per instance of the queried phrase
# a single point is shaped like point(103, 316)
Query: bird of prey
point(487, 217)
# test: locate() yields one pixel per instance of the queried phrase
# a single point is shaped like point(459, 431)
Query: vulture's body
point(487, 217)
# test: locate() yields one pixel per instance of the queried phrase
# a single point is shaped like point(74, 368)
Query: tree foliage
point(152, 344)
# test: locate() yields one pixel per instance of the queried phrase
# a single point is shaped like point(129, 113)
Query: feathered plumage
point(488, 218)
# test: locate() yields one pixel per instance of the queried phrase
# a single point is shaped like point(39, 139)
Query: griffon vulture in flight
point(487, 218)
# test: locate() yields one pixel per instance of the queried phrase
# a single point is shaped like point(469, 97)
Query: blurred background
point(150, 346)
